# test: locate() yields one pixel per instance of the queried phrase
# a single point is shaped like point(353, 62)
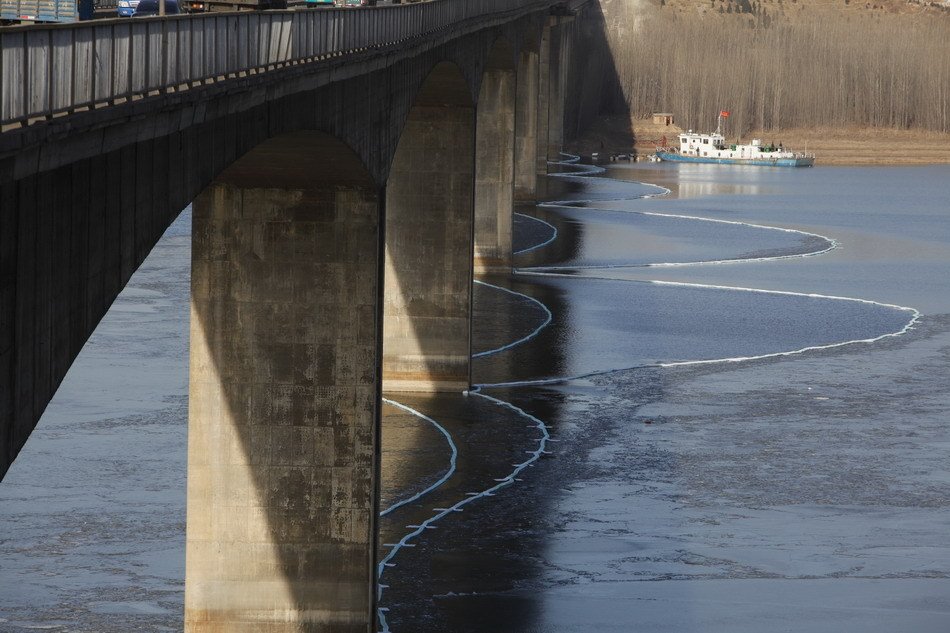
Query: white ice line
point(457, 507)
point(452, 459)
point(915, 316)
point(547, 320)
point(545, 435)
point(832, 245)
point(587, 172)
point(542, 244)
point(381, 611)
point(572, 204)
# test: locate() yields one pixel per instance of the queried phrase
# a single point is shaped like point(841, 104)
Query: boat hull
point(761, 162)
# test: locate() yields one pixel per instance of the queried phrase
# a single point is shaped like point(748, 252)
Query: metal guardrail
point(50, 70)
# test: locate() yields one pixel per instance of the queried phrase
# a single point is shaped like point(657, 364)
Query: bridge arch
point(494, 159)
point(284, 396)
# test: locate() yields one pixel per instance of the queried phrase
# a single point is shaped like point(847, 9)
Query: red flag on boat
point(724, 113)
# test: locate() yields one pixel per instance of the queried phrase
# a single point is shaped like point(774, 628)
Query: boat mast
point(722, 114)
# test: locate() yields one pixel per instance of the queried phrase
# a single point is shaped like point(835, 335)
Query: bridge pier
point(558, 77)
point(294, 333)
point(284, 399)
point(429, 241)
point(495, 161)
point(526, 126)
point(544, 98)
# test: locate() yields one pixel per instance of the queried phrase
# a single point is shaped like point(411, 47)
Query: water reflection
point(696, 181)
point(749, 493)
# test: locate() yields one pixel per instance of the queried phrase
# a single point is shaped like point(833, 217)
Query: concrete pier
point(526, 126)
point(429, 236)
point(544, 97)
point(284, 397)
point(495, 160)
point(557, 78)
point(327, 265)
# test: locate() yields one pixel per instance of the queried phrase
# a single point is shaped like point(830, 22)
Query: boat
point(695, 147)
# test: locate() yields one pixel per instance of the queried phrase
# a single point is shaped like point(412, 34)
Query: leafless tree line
point(886, 72)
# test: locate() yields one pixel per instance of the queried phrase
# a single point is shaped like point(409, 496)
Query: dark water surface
point(801, 484)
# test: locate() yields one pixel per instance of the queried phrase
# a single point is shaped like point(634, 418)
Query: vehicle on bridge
point(149, 8)
point(204, 6)
point(126, 8)
point(316, 4)
point(45, 10)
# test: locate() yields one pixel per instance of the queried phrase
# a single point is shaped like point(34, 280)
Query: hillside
point(843, 67)
point(794, 10)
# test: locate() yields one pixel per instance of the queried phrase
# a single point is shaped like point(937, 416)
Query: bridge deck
point(48, 71)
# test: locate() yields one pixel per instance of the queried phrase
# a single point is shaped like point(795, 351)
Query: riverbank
point(832, 146)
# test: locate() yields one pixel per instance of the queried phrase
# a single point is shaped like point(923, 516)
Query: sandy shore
point(832, 146)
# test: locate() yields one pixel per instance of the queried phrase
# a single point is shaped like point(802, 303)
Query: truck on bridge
point(45, 10)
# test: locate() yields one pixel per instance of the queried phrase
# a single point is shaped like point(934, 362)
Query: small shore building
point(663, 118)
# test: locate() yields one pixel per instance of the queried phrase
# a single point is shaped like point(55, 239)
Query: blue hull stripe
point(774, 162)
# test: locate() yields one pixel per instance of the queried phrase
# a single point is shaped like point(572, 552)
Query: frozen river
point(743, 374)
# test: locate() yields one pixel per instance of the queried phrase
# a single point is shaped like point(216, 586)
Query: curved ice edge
point(832, 245)
point(571, 204)
point(547, 320)
point(453, 459)
point(914, 318)
point(545, 435)
point(542, 244)
point(441, 513)
point(586, 171)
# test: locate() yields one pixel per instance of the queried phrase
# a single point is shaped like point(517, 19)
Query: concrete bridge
point(349, 171)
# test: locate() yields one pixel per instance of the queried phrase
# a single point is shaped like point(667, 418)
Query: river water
point(714, 398)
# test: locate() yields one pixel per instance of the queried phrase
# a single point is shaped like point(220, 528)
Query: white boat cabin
point(714, 146)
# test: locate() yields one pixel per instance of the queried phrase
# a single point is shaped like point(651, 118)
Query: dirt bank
point(832, 146)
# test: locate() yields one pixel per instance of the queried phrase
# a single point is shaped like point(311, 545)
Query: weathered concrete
point(526, 126)
point(429, 225)
point(125, 172)
point(284, 401)
point(544, 97)
point(293, 329)
point(494, 161)
point(556, 81)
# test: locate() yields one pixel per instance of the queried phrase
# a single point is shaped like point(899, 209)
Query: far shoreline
point(840, 146)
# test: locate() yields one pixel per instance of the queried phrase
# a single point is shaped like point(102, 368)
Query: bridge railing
point(51, 70)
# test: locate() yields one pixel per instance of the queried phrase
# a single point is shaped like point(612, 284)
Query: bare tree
point(890, 71)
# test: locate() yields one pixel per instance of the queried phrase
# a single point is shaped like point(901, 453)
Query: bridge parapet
point(52, 70)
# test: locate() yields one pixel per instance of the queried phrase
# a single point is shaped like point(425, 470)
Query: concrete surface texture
point(284, 402)
point(494, 161)
point(428, 268)
point(125, 172)
point(307, 187)
point(526, 126)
